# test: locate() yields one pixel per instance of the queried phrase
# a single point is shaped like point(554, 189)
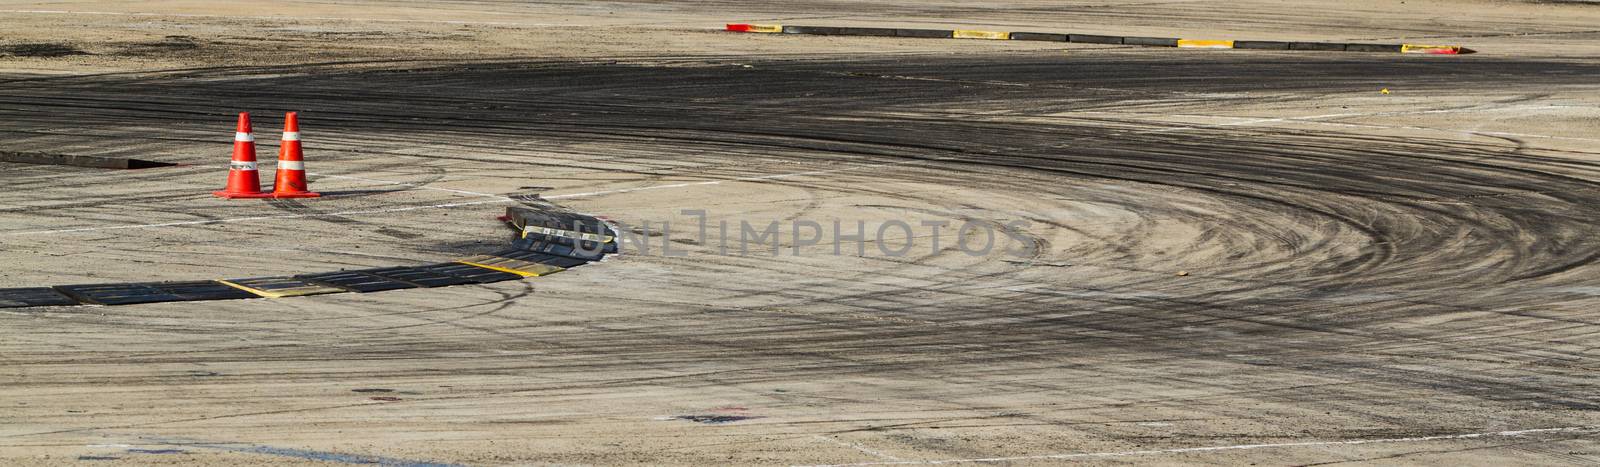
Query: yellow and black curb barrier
point(969, 34)
point(549, 240)
point(1099, 39)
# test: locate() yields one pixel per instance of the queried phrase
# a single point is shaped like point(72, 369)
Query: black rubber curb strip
point(925, 33)
point(1099, 39)
point(1150, 41)
point(1260, 45)
point(1038, 36)
point(1094, 39)
point(549, 239)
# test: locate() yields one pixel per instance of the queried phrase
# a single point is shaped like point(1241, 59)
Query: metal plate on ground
point(514, 266)
point(33, 296)
point(563, 262)
point(419, 276)
point(478, 275)
point(279, 287)
point(356, 281)
point(586, 251)
point(203, 290)
point(555, 222)
point(117, 294)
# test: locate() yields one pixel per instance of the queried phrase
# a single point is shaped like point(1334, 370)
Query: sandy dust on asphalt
point(1401, 277)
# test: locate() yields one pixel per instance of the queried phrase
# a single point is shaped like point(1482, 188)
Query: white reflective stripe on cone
point(237, 136)
point(291, 165)
point(242, 165)
point(291, 136)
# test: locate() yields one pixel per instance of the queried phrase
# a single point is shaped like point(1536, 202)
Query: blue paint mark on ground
point(158, 451)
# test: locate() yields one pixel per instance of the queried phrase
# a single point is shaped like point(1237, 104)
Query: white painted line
point(256, 218)
point(1317, 119)
point(413, 185)
point(496, 199)
point(858, 447)
point(740, 179)
point(1237, 447)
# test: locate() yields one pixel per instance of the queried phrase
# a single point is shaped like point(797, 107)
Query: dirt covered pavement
point(1222, 257)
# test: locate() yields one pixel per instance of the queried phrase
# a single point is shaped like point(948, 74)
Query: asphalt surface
point(1181, 284)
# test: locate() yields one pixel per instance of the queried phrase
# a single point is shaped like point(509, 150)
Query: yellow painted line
point(514, 266)
point(993, 35)
point(497, 268)
point(766, 28)
point(1430, 49)
point(250, 289)
point(513, 271)
point(296, 291)
point(1205, 43)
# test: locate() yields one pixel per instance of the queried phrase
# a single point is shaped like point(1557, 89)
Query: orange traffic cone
point(243, 179)
point(291, 180)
